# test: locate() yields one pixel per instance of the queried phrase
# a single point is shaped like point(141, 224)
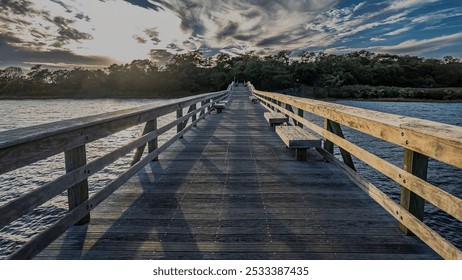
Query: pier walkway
point(230, 189)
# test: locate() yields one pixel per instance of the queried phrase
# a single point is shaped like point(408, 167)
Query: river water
point(23, 113)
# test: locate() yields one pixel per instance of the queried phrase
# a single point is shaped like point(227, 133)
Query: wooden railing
point(24, 146)
point(420, 139)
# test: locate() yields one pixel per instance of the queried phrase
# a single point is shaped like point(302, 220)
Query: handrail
point(420, 138)
point(24, 146)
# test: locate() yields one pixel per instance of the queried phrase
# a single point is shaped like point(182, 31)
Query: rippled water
point(24, 113)
point(14, 114)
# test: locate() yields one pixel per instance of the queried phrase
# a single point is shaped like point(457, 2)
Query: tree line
point(192, 72)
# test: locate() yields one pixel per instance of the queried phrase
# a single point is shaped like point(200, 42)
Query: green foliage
point(356, 75)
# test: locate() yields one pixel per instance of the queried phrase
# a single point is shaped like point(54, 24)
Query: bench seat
point(299, 139)
point(253, 99)
point(219, 106)
point(275, 118)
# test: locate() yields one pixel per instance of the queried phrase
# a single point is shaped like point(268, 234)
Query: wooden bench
point(219, 106)
point(275, 119)
point(299, 139)
point(253, 99)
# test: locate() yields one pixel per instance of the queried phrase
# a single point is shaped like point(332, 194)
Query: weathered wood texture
point(296, 137)
point(23, 146)
point(275, 118)
point(438, 197)
point(385, 126)
point(231, 190)
point(436, 140)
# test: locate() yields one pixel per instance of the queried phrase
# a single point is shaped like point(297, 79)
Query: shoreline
point(391, 99)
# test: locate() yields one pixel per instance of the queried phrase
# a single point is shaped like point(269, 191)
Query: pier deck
point(231, 190)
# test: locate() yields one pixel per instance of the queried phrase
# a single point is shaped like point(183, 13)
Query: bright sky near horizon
point(96, 33)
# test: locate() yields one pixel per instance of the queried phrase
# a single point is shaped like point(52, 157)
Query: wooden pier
point(228, 188)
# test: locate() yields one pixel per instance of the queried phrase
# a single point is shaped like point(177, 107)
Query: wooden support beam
point(179, 114)
point(194, 117)
point(153, 144)
point(328, 145)
point(417, 164)
point(78, 193)
point(347, 159)
point(301, 114)
point(301, 154)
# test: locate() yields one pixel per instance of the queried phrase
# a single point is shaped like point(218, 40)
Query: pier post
point(301, 113)
point(417, 164)
point(78, 193)
point(328, 145)
point(194, 117)
point(179, 127)
point(153, 144)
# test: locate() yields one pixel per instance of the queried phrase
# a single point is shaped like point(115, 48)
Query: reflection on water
point(14, 114)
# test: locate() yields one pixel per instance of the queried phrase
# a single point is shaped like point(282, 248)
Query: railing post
point(300, 113)
point(346, 156)
point(328, 145)
point(153, 144)
point(78, 193)
point(203, 110)
point(179, 114)
point(417, 164)
point(194, 117)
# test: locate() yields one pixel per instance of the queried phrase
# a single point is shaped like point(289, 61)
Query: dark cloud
point(140, 39)
point(153, 35)
point(229, 30)
point(17, 7)
point(81, 16)
point(174, 47)
point(10, 55)
point(67, 33)
point(144, 4)
point(273, 41)
point(62, 4)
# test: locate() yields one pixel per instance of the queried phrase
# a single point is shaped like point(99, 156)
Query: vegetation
point(356, 75)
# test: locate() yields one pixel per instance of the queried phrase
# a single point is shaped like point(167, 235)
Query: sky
point(97, 33)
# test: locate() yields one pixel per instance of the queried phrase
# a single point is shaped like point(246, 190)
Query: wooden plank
point(301, 114)
point(41, 241)
point(296, 137)
point(346, 156)
point(23, 146)
point(275, 118)
point(26, 203)
point(230, 189)
point(328, 145)
point(78, 193)
point(416, 164)
point(414, 134)
point(425, 233)
point(438, 197)
point(179, 114)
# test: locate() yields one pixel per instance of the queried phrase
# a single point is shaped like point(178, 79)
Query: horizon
point(95, 35)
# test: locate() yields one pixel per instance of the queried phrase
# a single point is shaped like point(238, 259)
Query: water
point(14, 114)
point(439, 174)
point(24, 113)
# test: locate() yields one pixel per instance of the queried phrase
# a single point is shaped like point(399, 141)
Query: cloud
point(67, 33)
point(153, 35)
point(89, 28)
point(404, 4)
point(17, 7)
point(62, 4)
point(418, 47)
point(398, 31)
point(20, 56)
